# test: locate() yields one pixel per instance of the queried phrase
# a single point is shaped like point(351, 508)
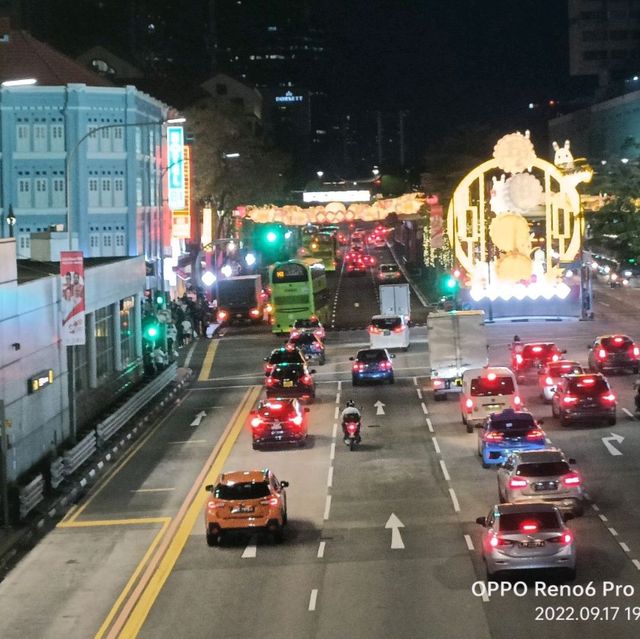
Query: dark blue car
point(507, 432)
point(372, 364)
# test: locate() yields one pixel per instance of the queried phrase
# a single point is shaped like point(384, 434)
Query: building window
point(118, 192)
point(40, 138)
point(24, 245)
point(80, 368)
point(92, 141)
point(106, 199)
point(57, 197)
point(138, 135)
point(139, 191)
point(24, 193)
point(106, 240)
point(94, 193)
point(94, 244)
point(118, 139)
point(104, 341)
point(105, 140)
point(57, 137)
point(42, 193)
point(23, 138)
point(120, 244)
point(127, 330)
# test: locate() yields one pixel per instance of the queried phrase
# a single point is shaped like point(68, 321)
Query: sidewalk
point(19, 538)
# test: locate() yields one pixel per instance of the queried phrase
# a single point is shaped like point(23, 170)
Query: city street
point(381, 541)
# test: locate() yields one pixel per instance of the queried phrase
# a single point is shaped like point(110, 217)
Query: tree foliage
point(258, 176)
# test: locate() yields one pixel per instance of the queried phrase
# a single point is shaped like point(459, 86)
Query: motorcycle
point(351, 428)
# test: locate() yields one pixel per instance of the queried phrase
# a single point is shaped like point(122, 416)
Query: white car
point(389, 331)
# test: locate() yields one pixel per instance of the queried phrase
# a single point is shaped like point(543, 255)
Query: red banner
point(72, 297)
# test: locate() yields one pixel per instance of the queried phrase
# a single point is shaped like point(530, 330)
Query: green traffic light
point(152, 332)
point(451, 283)
point(271, 236)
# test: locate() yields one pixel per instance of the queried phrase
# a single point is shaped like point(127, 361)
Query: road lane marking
point(336, 413)
point(603, 517)
point(332, 452)
point(636, 563)
point(629, 413)
point(151, 490)
point(338, 398)
point(595, 507)
point(435, 445)
point(135, 610)
point(430, 425)
point(454, 499)
point(335, 430)
point(419, 393)
point(605, 304)
point(187, 359)
point(205, 371)
point(251, 550)
point(321, 549)
point(624, 546)
point(445, 472)
point(339, 386)
point(327, 507)
point(189, 441)
point(415, 381)
point(613, 531)
point(133, 521)
point(424, 408)
point(74, 513)
point(485, 596)
point(312, 599)
point(330, 477)
point(469, 542)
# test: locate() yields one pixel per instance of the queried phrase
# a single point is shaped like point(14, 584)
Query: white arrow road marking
point(609, 446)
point(251, 550)
point(198, 418)
point(396, 538)
point(379, 406)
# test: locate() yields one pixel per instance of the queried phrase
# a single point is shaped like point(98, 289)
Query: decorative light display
point(490, 215)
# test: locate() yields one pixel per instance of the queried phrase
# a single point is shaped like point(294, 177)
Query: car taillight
point(537, 349)
point(358, 367)
point(269, 367)
point(271, 381)
point(384, 365)
point(469, 405)
point(398, 329)
point(254, 312)
point(374, 330)
point(222, 315)
point(536, 433)
point(272, 501)
point(352, 427)
point(572, 479)
point(529, 526)
point(635, 351)
point(256, 422)
point(602, 354)
point(518, 358)
point(569, 399)
point(297, 420)
point(493, 437)
point(306, 379)
point(437, 383)
point(294, 334)
point(212, 504)
point(517, 401)
point(565, 538)
point(549, 381)
point(319, 334)
point(495, 541)
point(518, 483)
point(555, 358)
point(609, 398)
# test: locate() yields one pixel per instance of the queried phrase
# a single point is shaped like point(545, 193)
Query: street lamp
point(11, 220)
point(375, 171)
point(320, 174)
point(24, 82)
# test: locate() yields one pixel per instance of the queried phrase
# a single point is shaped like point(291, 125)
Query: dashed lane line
point(327, 507)
point(469, 542)
point(424, 408)
point(430, 425)
point(330, 477)
point(445, 472)
point(454, 499)
point(332, 452)
point(436, 445)
point(313, 599)
point(321, 548)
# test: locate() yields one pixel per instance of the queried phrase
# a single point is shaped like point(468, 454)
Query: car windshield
point(617, 344)
point(372, 356)
point(276, 409)
point(583, 386)
point(388, 268)
point(537, 351)
point(386, 323)
point(241, 491)
point(518, 425)
point(511, 522)
point(306, 323)
point(284, 356)
point(543, 469)
point(291, 371)
point(486, 387)
point(564, 368)
point(304, 339)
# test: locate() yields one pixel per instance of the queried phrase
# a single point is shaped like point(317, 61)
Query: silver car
point(526, 537)
point(542, 475)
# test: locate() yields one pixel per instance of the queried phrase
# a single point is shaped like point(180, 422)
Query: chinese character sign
point(72, 297)
point(175, 167)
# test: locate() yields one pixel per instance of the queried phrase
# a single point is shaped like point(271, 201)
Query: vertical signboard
point(72, 297)
point(182, 217)
point(175, 164)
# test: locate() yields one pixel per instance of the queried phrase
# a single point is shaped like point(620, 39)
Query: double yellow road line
point(132, 607)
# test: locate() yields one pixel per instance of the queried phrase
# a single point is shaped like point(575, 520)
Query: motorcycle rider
point(350, 413)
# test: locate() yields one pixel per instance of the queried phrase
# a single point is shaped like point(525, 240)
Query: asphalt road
point(131, 559)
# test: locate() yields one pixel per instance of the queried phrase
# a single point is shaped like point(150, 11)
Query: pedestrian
point(172, 334)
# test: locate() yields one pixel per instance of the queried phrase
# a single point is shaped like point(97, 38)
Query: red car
point(279, 420)
point(529, 357)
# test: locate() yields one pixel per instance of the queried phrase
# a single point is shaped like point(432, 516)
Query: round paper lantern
point(525, 191)
point(514, 267)
point(514, 152)
point(510, 232)
point(334, 207)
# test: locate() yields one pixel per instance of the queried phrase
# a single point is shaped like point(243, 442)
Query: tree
point(258, 175)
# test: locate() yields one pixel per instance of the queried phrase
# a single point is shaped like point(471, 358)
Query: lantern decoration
point(514, 152)
point(525, 192)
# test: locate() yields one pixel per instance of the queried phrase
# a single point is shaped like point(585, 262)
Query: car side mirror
point(481, 520)
point(284, 484)
point(313, 371)
point(572, 460)
point(209, 487)
point(352, 359)
point(307, 409)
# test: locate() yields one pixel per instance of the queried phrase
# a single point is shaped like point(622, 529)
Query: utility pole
point(4, 489)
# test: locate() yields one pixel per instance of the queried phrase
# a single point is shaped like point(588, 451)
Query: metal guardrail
point(57, 472)
point(79, 454)
point(112, 424)
point(31, 495)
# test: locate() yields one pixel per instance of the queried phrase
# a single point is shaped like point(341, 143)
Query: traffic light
point(449, 283)
point(161, 299)
point(150, 328)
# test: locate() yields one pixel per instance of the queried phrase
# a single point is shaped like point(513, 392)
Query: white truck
point(390, 329)
point(457, 341)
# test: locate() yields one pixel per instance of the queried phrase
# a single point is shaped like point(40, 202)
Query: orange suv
point(246, 500)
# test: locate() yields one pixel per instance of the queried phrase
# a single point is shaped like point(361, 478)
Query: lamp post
point(11, 220)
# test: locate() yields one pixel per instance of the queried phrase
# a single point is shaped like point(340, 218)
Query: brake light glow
point(518, 483)
point(398, 329)
point(271, 381)
point(609, 397)
point(493, 437)
point(569, 399)
point(587, 381)
point(319, 333)
point(358, 367)
point(294, 334)
point(495, 541)
point(529, 526)
point(491, 377)
point(618, 340)
point(572, 479)
point(567, 538)
point(256, 422)
point(636, 351)
point(306, 379)
point(517, 401)
point(518, 358)
point(254, 312)
point(222, 315)
point(602, 353)
point(536, 433)
point(297, 420)
point(537, 349)
point(352, 427)
point(274, 405)
point(549, 381)
point(555, 357)
point(468, 404)
point(374, 330)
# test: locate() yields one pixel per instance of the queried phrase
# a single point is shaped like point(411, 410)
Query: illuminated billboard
point(175, 164)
